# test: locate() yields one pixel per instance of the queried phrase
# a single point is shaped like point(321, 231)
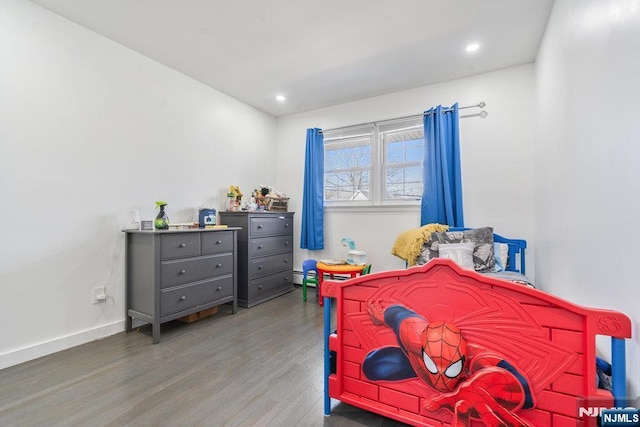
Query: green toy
point(162, 220)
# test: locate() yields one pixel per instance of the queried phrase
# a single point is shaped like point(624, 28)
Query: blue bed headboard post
point(618, 372)
point(327, 355)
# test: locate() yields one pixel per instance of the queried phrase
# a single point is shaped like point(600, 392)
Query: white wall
point(497, 162)
point(88, 130)
point(587, 200)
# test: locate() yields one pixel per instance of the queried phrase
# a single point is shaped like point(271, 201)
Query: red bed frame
point(551, 340)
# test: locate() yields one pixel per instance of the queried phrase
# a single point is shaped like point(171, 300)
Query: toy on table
point(354, 257)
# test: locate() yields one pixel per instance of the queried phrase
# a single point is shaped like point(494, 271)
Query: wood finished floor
point(259, 367)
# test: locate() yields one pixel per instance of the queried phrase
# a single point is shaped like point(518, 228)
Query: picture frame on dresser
point(175, 273)
point(265, 254)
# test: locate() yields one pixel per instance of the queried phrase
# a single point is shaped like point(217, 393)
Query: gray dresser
point(265, 254)
point(171, 274)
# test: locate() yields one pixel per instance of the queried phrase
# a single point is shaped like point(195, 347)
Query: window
point(376, 164)
point(348, 164)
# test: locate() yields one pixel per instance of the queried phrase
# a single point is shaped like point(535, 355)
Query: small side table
point(351, 270)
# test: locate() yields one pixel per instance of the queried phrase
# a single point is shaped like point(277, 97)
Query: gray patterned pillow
point(430, 250)
point(483, 256)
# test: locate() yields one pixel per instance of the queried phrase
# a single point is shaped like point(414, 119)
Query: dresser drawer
point(215, 242)
point(267, 285)
point(186, 297)
point(270, 245)
point(179, 245)
point(270, 264)
point(178, 272)
point(271, 226)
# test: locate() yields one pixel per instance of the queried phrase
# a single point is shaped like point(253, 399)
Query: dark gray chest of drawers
point(171, 274)
point(265, 254)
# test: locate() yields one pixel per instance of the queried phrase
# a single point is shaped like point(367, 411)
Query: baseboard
point(36, 351)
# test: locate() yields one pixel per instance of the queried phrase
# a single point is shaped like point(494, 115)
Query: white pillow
point(461, 253)
point(501, 251)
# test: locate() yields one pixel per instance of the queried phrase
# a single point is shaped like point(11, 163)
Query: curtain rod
point(415, 116)
point(444, 110)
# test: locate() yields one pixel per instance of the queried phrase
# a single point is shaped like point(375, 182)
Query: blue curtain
point(312, 234)
point(442, 192)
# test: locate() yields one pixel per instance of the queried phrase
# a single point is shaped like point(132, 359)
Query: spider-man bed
point(442, 345)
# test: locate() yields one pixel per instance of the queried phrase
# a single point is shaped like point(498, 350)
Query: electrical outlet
point(99, 294)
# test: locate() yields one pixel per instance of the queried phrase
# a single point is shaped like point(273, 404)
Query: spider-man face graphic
point(444, 352)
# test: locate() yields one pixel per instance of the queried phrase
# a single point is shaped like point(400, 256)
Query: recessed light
point(473, 47)
point(280, 98)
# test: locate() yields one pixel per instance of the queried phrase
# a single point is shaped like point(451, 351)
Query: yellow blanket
point(408, 244)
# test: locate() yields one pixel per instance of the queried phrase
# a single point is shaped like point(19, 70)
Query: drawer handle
point(183, 271)
point(280, 217)
point(259, 246)
point(286, 261)
point(259, 267)
point(182, 298)
point(286, 279)
point(286, 225)
point(260, 287)
point(219, 288)
point(259, 226)
point(182, 245)
point(219, 265)
point(219, 242)
point(286, 243)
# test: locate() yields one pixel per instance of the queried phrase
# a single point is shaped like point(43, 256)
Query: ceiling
point(318, 52)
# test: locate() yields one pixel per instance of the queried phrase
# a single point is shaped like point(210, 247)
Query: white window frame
point(352, 132)
point(378, 166)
